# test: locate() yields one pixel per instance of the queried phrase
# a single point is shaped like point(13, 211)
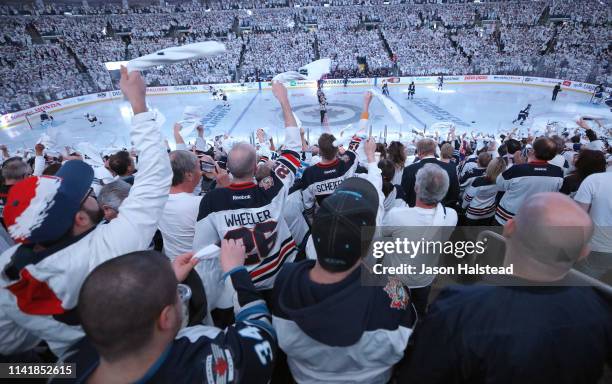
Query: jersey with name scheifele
point(321, 180)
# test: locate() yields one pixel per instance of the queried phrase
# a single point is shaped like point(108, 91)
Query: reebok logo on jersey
point(330, 171)
point(241, 197)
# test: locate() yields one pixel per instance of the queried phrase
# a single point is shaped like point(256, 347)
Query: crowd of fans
point(98, 264)
point(346, 53)
point(408, 38)
point(264, 57)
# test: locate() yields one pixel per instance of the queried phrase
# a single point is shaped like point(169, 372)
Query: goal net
point(34, 121)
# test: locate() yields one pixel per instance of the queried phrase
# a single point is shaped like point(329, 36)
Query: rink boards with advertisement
point(480, 103)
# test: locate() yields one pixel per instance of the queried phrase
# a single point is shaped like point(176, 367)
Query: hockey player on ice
point(93, 119)
point(223, 97)
point(523, 114)
point(322, 104)
point(440, 82)
point(411, 90)
point(598, 94)
point(45, 119)
point(556, 91)
point(213, 92)
point(385, 89)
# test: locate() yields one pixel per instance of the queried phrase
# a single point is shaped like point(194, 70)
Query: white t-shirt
point(596, 190)
point(417, 217)
point(559, 161)
point(177, 223)
point(416, 224)
point(596, 145)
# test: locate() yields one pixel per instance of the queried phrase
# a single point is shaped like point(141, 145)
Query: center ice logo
point(213, 117)
point(337, 114)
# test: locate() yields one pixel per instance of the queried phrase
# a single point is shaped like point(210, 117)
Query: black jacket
point(517, 334)
point(409, 178)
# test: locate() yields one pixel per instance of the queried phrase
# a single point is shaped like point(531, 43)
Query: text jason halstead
point(460, 269)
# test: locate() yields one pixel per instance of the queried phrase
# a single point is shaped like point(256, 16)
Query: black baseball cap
point(337, 226)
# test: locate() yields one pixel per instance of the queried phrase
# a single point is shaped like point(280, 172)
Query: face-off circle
point(337, 114)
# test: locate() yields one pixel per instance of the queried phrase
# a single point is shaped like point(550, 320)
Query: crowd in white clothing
point(265, 57)
point(392, 38)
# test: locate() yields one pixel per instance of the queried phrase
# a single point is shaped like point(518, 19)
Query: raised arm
point(139, 213)
point(200, 142)
point(280, 92)
point(365, 113)
point(180, 142)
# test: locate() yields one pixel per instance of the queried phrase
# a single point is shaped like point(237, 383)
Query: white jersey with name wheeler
point(254, 214)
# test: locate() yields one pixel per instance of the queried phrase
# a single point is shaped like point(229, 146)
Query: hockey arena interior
point(306, 191)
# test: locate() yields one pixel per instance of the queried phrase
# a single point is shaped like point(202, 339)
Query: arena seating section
point(58, 50)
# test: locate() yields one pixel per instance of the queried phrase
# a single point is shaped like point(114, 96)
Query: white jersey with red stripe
point(254, 214)
point(39, 289)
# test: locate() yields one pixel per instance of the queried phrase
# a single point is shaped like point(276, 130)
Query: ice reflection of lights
point(126, 113)
point(435, 89)
point(13, 133)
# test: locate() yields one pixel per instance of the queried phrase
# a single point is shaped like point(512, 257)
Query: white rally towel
point(177, 54)
point(93, 154)
point(262, 144)
point(46, 140)
point(345, 136)
point(210, 251)
point(311, 71)
point(192, 117)
point(389, 105)
point(228, 143)
point(261, 135)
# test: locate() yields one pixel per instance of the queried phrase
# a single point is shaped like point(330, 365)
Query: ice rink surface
point(471, 107)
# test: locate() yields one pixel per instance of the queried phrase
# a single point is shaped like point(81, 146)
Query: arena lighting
point(326, 4)
point(114, 65)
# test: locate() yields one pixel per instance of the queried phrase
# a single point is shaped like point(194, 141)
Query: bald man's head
point(241, 161)
point(549, 233)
